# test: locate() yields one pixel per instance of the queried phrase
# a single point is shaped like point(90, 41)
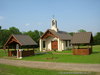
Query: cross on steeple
point(53, 16)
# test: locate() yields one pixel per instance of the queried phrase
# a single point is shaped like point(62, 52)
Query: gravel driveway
point(53, 65)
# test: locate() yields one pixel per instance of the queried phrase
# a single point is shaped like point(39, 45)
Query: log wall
point(27, 53)
point(82, 51)
point(24, 53)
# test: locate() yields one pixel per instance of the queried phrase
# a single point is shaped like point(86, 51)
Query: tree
point(35, 35)
point(4, 35)
point(81, 30)
point(40, 33)
point(71, 33)
point(14, 30)
point(97, 38)
point(0, 27)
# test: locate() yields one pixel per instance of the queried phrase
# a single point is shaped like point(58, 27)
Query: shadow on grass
point(51, 58)
point(42, 53)
point(96, 52)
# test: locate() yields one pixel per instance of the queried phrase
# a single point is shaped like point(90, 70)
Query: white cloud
point(27, 24)
point(1, 17)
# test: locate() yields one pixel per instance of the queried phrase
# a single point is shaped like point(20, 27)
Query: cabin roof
point(82, 38)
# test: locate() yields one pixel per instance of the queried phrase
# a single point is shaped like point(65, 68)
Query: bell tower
point(54, 25)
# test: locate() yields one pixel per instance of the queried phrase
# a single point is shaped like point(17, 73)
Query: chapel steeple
point(54, 25)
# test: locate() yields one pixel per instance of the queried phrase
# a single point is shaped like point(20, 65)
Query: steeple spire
point(54, 25)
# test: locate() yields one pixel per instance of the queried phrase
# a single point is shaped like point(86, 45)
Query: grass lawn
point(3, 53)
point(13, 70)
point(94, 58)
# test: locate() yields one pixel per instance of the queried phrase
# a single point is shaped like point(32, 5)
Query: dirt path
point(53, 65)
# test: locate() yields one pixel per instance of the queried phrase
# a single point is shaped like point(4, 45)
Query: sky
point(71, 15)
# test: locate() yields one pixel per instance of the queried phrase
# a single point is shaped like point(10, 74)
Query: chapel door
point(54, 45)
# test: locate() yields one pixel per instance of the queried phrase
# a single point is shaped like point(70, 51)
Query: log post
point(78, 46)
point(17, 47)
point(8, 51)
point(33, 47)
point(91, 48)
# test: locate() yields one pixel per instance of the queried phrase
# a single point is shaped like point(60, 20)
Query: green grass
point(3, 53)
point(65, 51)
point(94, 58)
point(13, 70)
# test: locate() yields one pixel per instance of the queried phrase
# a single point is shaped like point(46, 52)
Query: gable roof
point(60, 34)
point(82, 38)
point(22, 39)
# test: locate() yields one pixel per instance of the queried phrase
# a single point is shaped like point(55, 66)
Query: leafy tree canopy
point(14, 30)
point(81, 30)
point(71, 33)
point(35, 35)
point(97, 38)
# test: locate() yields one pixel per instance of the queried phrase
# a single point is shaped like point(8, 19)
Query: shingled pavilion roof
point(20, 39)
point(82, 38)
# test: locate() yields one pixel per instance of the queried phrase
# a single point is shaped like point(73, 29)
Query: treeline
point(35, 35)
point(5, 33)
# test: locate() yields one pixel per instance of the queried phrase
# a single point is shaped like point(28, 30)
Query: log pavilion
point(15, 43)
point(82, 43)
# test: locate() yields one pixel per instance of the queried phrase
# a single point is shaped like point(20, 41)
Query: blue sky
point(71, 15)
